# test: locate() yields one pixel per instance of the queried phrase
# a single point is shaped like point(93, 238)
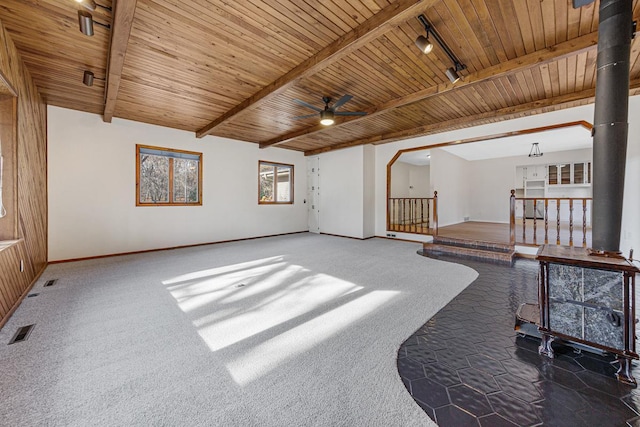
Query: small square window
point(275, 183)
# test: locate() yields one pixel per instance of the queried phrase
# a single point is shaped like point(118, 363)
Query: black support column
point(611, 122)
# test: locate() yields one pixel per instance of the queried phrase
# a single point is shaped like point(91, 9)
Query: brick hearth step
point(483, 251)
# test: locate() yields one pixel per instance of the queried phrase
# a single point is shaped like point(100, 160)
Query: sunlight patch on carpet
point(233, 303)
point(221, 270)
point(214, 286)
point(269, 355)
point(278, 307)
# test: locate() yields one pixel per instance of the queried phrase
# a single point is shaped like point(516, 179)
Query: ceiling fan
point(328, 113)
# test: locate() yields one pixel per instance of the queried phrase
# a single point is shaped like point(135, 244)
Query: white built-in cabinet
point(575, 174)
point(578, 173)
point(553, 181)
point(530, 172)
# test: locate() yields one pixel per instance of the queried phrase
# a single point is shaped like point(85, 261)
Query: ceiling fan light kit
point(327, 115)
point(426, 46)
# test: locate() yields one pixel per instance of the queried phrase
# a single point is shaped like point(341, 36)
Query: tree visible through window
point(168, 177)
point(275, 183)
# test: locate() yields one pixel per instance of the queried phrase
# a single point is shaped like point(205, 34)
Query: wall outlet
point(466, 218)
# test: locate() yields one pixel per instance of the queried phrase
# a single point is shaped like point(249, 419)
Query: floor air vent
point(33, 295)
point(22, 334)
point(50, 282)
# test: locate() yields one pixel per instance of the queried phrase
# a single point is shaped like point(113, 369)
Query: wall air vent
point(22, 334)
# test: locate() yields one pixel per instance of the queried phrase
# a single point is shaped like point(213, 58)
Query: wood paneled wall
point(31, 169)
point(8, 146)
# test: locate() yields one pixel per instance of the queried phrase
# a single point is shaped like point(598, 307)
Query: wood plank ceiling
point(233, 69)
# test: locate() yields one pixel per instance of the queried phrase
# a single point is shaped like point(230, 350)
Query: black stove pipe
point(610, 127)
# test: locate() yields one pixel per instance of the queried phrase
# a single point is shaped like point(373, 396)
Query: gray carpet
point(286, 331)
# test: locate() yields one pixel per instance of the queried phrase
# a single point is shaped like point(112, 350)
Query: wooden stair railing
point(568, 202)
point(418, 215)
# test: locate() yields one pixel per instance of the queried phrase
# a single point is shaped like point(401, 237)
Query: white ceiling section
point(417, 158)
point(565, 139)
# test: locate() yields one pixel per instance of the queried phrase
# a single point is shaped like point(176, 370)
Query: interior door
point(313, 193)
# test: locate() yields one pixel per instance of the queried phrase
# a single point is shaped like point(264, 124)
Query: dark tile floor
point(467, 366)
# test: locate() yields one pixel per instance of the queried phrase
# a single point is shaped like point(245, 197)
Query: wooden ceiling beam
point(543, 56)
point(121, 30)
point(346, 44)
point(542, 105)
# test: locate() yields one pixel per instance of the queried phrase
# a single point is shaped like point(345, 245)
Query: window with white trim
point(275, 183)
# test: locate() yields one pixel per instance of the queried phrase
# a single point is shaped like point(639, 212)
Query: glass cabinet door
point(578, 173)
point(553, 174)
point(565, 174)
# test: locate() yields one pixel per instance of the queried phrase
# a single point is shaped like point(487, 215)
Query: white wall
point(631, 225)
point(369, 196)
point(630, 236)
point(347, 196)
point(493, 180)
point(450, 177)
point(92, 185)
point(409, 180)
point(420, 181)
point(342, 192)
point(91, 179)
point(400, 172)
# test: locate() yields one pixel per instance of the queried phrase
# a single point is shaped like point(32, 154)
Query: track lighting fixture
point(85, 21)
point(91, 5)
point(89, 77)
point(426, 46)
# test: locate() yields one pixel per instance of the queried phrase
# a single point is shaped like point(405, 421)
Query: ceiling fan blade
point(306, 104)
point(340, 102)
point(353, 113)
point(306, 116)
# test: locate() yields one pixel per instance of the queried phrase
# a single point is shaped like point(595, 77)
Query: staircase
point(497, 253)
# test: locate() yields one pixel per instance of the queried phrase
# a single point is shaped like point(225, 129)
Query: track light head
point(452, 74)
point(88, 77)
point(87, 4)
point(326, 117)
point(85, 21)
point(424, 44)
